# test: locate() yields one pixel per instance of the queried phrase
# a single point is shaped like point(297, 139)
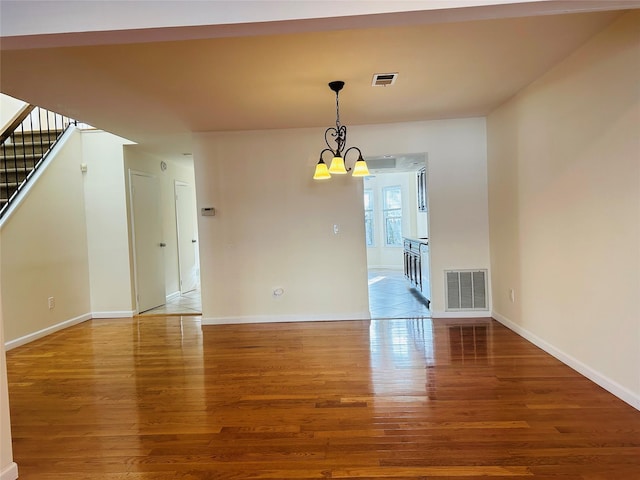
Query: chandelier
point(339, 136)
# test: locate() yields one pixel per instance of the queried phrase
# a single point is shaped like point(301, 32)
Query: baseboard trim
point(46, 331)
point(596, 377)
point(10, 472)
point(114, 314)
point(283, 318)
point(462, 314)
point(171, 296)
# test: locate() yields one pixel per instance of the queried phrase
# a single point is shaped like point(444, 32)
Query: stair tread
point(27, 142)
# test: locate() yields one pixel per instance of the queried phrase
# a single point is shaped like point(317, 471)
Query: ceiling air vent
point(379, 163)
point(384, 79)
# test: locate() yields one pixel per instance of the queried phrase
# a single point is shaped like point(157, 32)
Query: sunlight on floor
point(375, 280)
point(391, 296)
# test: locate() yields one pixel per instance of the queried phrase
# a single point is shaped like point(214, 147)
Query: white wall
point(564, 183)
point(107, 228)
point(65, 16)
point(380, 255)
point(44, 250)
point(274, 226)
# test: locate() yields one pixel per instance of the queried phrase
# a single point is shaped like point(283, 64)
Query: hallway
point(188, 304)
point(390, 296)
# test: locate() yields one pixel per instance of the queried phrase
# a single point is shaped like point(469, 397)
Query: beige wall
point(564, 184)
point(44, 250)
point(107, 228)
point(274, 226)
point(9, 107)
point(457, 190)
point(142, 161)
point(6, 453)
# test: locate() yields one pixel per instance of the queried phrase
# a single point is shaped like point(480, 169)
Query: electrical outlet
point(512, 295)
point(51, 302)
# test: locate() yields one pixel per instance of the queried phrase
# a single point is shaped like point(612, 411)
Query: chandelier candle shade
point(339, 136)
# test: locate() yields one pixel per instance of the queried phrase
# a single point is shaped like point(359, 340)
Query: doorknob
point(193, 241)
point(162, 244)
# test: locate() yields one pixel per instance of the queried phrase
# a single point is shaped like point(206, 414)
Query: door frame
point(176, 184)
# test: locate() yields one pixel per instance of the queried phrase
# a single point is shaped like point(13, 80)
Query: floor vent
point(466, 289)
point(383, 79)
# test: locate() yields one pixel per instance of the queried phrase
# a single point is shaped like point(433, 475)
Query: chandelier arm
point(325, 150)
point(352, 148)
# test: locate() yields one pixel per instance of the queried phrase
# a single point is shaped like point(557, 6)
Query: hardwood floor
point(164, 398)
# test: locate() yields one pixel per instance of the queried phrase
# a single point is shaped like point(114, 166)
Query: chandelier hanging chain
point(337, 109)
point(339, 132)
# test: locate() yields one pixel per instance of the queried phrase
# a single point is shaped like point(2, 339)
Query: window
point(392, 214)
point(368, 217)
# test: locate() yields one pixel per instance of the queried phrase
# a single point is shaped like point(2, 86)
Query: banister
point(25, 143)
point(18, 118)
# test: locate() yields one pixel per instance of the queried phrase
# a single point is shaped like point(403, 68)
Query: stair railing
point(26, 142)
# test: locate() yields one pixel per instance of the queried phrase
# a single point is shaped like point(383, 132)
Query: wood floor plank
point(164, 398)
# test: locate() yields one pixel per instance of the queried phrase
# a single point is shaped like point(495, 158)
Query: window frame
point(372, 221)
point(386, 217)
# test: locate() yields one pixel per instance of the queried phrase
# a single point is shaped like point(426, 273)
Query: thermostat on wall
point(208, 211)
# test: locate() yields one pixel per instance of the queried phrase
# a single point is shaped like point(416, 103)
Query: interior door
point(146, 223)
point(187, 237)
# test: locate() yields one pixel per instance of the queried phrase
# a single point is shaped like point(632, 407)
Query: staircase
point(25, 144)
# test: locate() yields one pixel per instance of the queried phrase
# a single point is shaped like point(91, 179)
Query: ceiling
point(158, 92)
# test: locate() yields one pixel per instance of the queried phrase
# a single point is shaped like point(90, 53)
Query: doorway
point(391, 199)
point(186, 300)
point(188, 264)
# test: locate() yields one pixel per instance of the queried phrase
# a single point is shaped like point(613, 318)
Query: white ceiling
point(158, 92)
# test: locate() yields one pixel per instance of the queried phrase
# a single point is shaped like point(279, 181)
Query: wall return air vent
point(384, 79)
point(466, 290)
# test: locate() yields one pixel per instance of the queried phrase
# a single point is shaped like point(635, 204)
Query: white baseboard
point(461, 314)
point(605, 382)
point(171, 296)
point(114, 314)
point(10, 472)
point(283, 318)
point(46, 331)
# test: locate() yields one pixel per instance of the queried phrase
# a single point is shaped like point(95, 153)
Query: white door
point(187, 237)
point(146, 222)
